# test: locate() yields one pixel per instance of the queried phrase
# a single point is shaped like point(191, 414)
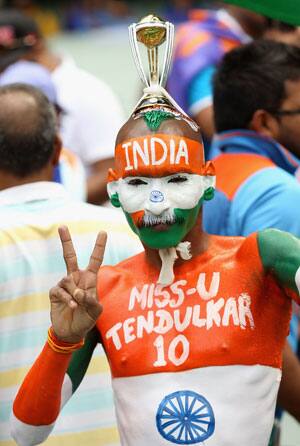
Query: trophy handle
point(136, 54)
point(168, 53)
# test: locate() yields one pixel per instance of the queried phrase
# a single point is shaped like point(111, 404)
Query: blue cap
point(30, 73)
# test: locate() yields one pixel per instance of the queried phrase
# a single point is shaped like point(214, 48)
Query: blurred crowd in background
point(82, 15)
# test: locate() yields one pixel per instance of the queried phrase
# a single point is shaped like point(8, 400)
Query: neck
point(197, 237)
point(46, 58)
point(8, 180)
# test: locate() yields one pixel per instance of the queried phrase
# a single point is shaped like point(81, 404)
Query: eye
point(177, 179)
point(136, 182)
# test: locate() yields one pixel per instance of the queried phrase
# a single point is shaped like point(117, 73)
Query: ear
point(36, 49)
point(209, 194)
point(114, 199)
point(112, 190)
point(209, 184)
point(57, 150)
point(265, 123)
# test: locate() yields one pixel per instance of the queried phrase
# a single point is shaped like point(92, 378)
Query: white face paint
point(158, 196)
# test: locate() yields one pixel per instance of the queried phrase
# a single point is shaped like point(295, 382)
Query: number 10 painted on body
point(176, 360)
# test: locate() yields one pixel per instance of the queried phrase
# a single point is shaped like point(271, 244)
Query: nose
point(157, 202)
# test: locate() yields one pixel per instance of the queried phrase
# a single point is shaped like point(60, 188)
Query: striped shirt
point(31, 263)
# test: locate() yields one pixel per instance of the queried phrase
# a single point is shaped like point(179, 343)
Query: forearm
point(50, 383)
point(38, 401)
point(74, 311)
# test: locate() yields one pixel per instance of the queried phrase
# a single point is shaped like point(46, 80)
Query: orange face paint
point(158, 155)
point(137, 217)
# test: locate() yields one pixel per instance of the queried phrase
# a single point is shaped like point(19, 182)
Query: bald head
point(27, 130)
point(138, 125)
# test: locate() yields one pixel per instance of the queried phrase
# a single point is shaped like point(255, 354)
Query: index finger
point(68, 249)
point(98, 252)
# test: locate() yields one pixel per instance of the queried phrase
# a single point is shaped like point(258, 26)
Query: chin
point(160, 246)
point(160, 240)
point(162, 236)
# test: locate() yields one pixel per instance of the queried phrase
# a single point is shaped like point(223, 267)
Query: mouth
point(158, 223)
point(160, 227)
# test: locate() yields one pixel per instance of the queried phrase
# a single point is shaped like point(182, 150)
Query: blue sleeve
point(200, 92)
point(269, 198)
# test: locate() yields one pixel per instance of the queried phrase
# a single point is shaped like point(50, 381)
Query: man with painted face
point(193, 327)
point(160, 181)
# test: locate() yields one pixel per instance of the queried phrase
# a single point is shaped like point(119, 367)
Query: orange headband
point(158, 155)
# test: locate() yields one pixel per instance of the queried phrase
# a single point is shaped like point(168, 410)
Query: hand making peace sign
point(74, 304)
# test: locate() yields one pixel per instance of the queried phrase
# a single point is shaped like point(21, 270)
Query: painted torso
point(197, 362)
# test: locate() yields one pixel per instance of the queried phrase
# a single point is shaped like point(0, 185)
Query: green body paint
point(81, 359)
point(280, 254)
point(274, 440)
point(154, 118)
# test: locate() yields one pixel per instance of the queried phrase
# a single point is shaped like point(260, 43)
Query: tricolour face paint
point(162, 210)
point(184, 221)
point(160, 182)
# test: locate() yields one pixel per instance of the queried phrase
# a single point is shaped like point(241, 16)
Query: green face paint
point(174, 234)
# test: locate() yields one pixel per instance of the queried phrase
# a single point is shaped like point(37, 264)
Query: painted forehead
point(158, 141)
point(158, 154)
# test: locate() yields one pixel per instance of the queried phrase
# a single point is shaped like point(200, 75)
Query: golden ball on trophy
point(151, 36)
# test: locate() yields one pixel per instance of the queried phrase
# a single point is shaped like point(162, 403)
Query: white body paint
point(242, 398)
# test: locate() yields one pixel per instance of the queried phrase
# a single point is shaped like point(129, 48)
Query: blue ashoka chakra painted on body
point(185, 417)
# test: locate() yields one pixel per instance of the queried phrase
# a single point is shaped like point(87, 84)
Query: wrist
point(60, 346)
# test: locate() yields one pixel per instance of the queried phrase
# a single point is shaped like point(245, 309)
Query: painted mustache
point(149, 220)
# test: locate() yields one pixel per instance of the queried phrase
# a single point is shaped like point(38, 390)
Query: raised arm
point(74, 312)
point(280, 254)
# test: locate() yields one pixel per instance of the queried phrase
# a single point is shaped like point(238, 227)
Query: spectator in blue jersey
point(256, 152)
point(202, 42)
point(69, 171)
